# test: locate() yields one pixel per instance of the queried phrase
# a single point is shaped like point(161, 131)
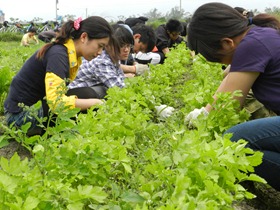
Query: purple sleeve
point(251, 55)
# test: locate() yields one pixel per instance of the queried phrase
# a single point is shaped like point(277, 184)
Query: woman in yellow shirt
point(29, 38)
point(45, 75)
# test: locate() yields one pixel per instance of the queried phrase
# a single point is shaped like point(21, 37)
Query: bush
point(9, 36)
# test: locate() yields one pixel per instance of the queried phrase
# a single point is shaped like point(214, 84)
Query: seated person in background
point(99, 74)
point(29, 38)
point(144, 41)
point(134, 21)
point(96, 76)
point(48, 36)
point(141, 57)
point(120, 22)
point(167, 36)
point(149, 57)
point(185, 27)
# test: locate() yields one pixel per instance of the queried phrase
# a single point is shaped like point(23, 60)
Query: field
point(122, 156)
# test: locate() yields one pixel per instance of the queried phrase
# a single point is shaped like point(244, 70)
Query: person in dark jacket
point(134, 21)
point(168, 35)
point(48, 36)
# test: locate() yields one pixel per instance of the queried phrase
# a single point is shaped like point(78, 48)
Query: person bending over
point(103, 72)
point(44, 75)
point(252, 47)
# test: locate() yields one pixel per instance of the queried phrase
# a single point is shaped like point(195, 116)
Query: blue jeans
point(263, 135)
point(22, 118)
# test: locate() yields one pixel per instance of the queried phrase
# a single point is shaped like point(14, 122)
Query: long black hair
point(212, 22)
point(123, 36)
point(96, 28)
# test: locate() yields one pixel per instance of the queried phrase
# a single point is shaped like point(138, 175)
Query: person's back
point(264, 46)
point(134, 21)
point(47, 36)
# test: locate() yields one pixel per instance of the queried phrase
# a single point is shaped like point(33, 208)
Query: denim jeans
point(22, 118)
point(263, 135)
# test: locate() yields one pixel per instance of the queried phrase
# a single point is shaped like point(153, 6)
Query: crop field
point(120, 155)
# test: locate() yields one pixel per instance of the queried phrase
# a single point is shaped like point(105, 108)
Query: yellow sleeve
point(24, 40)
point(55, 92)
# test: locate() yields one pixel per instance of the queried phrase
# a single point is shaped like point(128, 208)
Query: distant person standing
point(29, 38)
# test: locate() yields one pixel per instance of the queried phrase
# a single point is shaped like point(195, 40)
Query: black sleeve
point(162, 38)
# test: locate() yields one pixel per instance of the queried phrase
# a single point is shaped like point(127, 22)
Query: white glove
point(164, 111)
point(194, 114)
point(140, 69)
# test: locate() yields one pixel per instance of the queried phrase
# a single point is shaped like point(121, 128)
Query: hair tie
point(245, 13)
point(250, 19)
point(77, 23)
point(127, 27)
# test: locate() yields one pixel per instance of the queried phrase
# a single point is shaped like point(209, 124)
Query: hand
point(141, 69)
point(193, 115)
point(164, 111)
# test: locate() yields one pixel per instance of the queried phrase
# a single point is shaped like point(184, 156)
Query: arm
point(35, 39)
point(165, 50)
point(128, 75)
point(226, 71)
point(233, 81)
point(55, 87)
point(128, 69)
point(236, 81)
point(85, 104)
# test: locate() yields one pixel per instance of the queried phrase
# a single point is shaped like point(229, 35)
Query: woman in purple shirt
point(252, 47)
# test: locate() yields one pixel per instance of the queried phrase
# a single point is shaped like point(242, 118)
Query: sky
point(26, 10)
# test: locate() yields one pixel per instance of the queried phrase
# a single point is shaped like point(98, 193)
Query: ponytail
point(266, 20)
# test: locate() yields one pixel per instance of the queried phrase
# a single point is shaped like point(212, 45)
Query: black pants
point(89, 92)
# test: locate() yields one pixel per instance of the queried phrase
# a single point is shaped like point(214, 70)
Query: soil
point(267, 197)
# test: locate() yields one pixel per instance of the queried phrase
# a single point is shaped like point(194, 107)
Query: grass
point(12, 57)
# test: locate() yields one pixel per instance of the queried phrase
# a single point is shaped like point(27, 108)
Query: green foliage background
point(12, 57)
point(122, 156)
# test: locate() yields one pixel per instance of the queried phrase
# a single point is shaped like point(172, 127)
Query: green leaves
point(120, 156)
